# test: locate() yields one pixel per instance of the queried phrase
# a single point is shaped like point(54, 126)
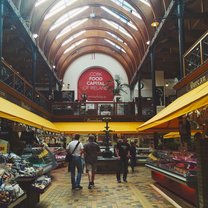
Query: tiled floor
point(136, 193)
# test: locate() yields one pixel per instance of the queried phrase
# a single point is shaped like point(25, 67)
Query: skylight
point(64, 18)
point(74, 45)
point(115, 45)
point(39, 2)
point(70, 27)
point(145, 2)
point(73, 37)
point(120, 17)
point(117, 38)
point(128, 7)
point(118, 27)
point(61, 5)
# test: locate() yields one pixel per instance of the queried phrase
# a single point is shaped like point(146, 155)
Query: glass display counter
point(175, 171)
point(142, 154)
point(59, 154)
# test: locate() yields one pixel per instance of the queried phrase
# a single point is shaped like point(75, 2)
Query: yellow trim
point(97, 127)
point(16, 113)
point(191, 101)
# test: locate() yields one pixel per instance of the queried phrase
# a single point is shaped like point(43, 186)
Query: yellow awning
point(97, 127)
point(188, 102)
point(176, 135)
point(16, 113)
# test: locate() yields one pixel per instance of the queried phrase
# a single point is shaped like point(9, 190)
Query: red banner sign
point(93, 82)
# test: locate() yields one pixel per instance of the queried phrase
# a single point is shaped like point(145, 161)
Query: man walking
point(122, 151)
point(91, 150)
point(76, 149)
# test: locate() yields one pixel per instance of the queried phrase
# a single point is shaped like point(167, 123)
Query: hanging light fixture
point(155, 23)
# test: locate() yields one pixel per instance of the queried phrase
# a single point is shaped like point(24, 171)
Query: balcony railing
point(71, 110)
point(196, 55)
point(94, 109)
point(12, 79)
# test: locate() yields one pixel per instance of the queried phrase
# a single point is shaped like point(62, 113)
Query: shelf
point(41, 191)
point(17, 201)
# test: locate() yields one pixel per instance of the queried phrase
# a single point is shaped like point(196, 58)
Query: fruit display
point(9, 189)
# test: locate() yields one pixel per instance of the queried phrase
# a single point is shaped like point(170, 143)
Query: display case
point(40, 157)
point(59, 154)
point(142, 154)
point(21, 180)
point(175, 171)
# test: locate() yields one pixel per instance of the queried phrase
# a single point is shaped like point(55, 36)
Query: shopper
point(185, 133)
point(76, 149)
point(122, 151)
point(133, 158)
point(91, 150)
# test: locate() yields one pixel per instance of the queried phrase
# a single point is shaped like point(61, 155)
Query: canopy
point(16, 113)
point(97, 127)
point(188, 102)
point(176, 135)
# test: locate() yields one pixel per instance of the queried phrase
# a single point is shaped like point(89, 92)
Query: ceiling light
point(35, 35)
point(148, 42)
point(92, 15)
point(155, 23)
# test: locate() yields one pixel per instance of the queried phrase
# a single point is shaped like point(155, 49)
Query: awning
point(97, 127)
point(168, 117)
point(176, 135)
point(16, 113)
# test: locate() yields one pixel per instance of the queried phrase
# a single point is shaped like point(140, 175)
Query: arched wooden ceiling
point(98, 31)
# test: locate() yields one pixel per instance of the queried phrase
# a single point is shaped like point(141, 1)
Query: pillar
point(152, 66)
point(34, 65)
point(139, 102)
point(1, 25)
point(180, 13)
point(202, 174)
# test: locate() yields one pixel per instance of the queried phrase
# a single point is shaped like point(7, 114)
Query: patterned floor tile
point(136, 193)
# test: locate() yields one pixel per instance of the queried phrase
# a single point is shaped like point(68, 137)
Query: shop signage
point(199, 81)
point(94, 83)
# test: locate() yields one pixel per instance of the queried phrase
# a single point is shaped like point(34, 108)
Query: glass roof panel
point(70, 27)
point(39, 2)
point(115, 45)
point(118, 27)
point(127, 7)
point(61, 5)
point(120, 17)
point(117, 38)
point(74, 45)
point(64, 18)
point(73, 37)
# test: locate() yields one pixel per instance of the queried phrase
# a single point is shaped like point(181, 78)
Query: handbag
point(69, 155)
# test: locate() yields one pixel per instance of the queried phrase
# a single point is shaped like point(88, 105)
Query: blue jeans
point(76, 163)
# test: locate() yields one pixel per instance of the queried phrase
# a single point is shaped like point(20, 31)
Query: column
point(202, 174)
point(152, 66)
point(1, 25)
point(34, 65)
point(139, 102)
point(180, 13)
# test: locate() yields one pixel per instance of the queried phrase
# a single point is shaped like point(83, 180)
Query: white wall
point(147, 89)
point(74, 71)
